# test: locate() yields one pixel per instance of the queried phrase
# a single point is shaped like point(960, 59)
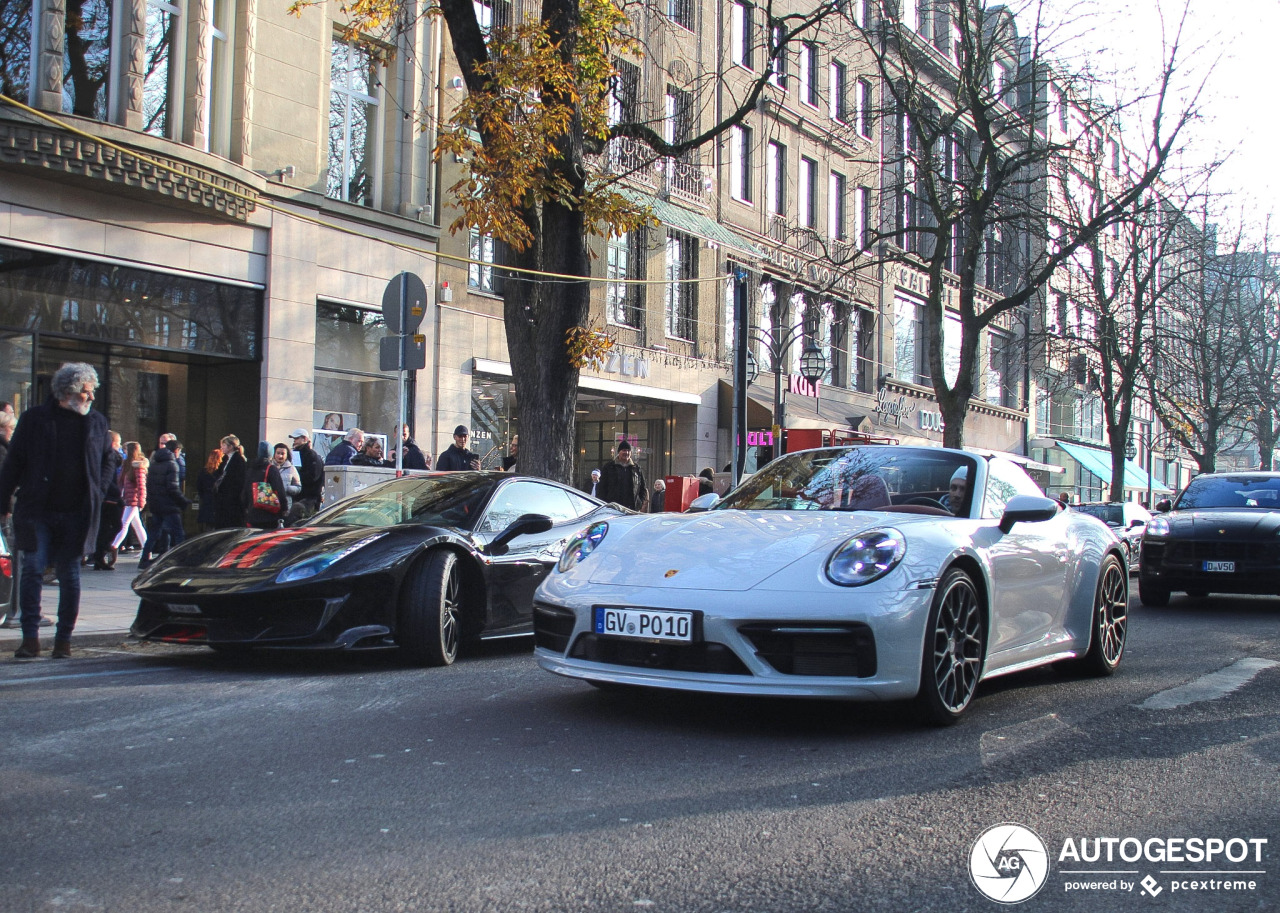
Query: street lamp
point(813, 364)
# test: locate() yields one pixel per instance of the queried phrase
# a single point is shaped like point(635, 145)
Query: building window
point(681, 300)
point(348, 381)
point(159, 101)
point(742, 38)
point(809, 74)
point(218, 113)
point(681, 13)
point(837, 98)
point(483, 276)
point(779, 76)
point(835, 207)
point(353, 110)
point(906, 339)
point(740, 163)
point(1001, 383)
point(776, 178)
point(678, 124)
point(87, 59)
point(951, 333)
point(863, 114)
point(808, 192)
point(864, 217)
point(624, 302)
point(15, 48)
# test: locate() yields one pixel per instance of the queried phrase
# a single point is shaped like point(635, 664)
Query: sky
point(1232, 49)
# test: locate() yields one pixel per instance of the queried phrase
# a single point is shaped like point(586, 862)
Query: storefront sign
point(626, 365)
point(797, 384)
point(759, 438)
point(930, 420)
point(891, 410)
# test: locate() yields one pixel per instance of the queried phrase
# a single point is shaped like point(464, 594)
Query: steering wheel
point(926, 502)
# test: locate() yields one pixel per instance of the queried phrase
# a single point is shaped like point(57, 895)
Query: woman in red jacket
point(133, 494)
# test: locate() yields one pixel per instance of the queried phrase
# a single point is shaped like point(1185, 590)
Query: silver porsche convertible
point(870, 572)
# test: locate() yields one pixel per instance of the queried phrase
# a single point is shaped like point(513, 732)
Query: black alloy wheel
point(1110, 619)
point(955, 649)
point(430, 617)
point(1152, 594)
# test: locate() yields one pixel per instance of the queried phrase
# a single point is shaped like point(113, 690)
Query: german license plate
point(645, 624)
point(183, 608)
point(1221, 567)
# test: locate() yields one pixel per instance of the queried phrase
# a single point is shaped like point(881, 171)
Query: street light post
point(1151, 441)
point(813, 364)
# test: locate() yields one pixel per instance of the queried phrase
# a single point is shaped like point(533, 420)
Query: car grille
point(552, 626)
point(699, 657)
point(832, 650)
point(1175, 552)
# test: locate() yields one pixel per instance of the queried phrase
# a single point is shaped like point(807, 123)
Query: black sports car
point(421, 563)
point(1221, 536)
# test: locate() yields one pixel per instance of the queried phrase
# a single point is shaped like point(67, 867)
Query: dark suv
point(1222, 535)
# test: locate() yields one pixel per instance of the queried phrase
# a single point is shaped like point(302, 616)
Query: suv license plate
point(1228, 567)
point(645, 624)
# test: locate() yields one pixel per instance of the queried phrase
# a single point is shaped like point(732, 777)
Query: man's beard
point(77, 405)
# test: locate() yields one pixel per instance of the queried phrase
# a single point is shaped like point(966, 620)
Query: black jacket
point(229, 503)
point(623, 485)
point(455, 458)
point(311, 472)
point(164, 488)
point(28, 471)
point(111, 476)
point(413, 456)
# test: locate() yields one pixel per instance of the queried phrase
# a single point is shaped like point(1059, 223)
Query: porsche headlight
point(301, 570)
point(582, 544)
point(866, 557)
point(1159, 526)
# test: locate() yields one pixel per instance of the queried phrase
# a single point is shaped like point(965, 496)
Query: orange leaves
point(586, 346)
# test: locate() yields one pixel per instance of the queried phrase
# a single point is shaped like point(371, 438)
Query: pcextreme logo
point(1010, 863)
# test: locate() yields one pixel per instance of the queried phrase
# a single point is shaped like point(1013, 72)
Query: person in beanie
point(622, 482)
point(52, 482)
point(458, 456)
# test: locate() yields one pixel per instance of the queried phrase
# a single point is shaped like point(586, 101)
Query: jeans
point(59, 541)
point(163, 533)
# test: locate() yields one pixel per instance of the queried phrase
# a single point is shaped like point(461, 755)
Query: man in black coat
point(622, 482)
point(56, 468)
point(311, 474)
point(166, 502)
point(458, 456)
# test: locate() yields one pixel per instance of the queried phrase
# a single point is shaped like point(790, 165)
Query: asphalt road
point(146, 778)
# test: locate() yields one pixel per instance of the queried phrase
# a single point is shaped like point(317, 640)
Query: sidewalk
point(107, 607)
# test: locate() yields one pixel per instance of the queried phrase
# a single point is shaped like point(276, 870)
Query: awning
point(692, 223)
point(1018, 458)
point(1098, 462)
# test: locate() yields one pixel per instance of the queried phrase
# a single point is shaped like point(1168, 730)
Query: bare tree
point(978, 147)
point(1260, 318)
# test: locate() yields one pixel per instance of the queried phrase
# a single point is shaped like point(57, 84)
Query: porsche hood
point(730, 550)
point(1213, 524)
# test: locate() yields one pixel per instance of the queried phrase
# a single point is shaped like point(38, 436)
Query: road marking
point(1209, 687)
point(998, 743)
point(57, 678)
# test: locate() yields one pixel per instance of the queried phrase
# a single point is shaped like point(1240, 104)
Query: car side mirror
point(1164, 506)
point(1027, 509)
point(1137, 523)
point(522, 525)
point(703, 502)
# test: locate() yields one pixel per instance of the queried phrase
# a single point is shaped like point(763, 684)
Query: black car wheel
point(430, 623)
point(1152, 595)
point(1110, 619)
point(955, 648)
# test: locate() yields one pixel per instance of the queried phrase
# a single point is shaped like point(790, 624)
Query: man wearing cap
point(953, 500)
point(622, 482)
point(458, 456)
point(311, 474)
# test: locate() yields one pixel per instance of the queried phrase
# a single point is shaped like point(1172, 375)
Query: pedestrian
point(457, 456)
point(166, 502)
point(52, 484)
point(509, 461)
point(414, 456)
point(343, 452)
point(206, 513)
point(112, 512)
point(311, 472)
point(622, 482)
point(260, 511)
point(595, 481)
point(706, 481)
point(133, 494)
point(371, 454)
point(659, 497)
point(288, 475)
point(229, 486)
point(1065, 498)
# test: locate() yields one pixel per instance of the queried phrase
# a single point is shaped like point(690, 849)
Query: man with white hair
point(55, 467)
point(953, 500)
point(344, 450)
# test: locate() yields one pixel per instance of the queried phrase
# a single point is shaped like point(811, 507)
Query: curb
point(95, 639)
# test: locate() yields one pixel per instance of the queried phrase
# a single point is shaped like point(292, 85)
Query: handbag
point(264, 496)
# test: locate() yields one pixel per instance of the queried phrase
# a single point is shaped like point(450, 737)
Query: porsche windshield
point(449, 499)
point(855, 478)
point(1256, 492)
